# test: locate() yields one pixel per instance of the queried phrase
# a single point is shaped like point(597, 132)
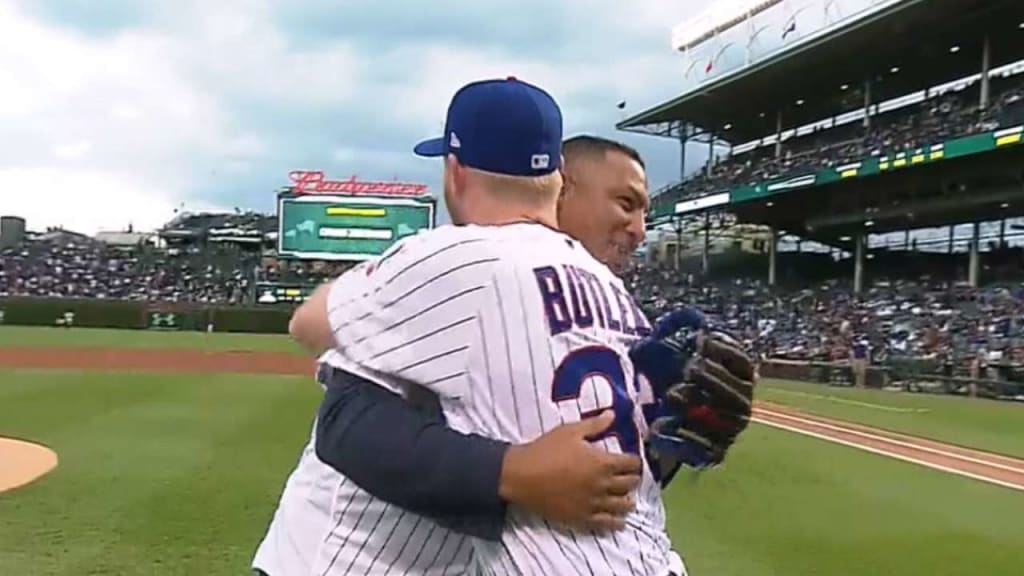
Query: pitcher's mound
point(22, 462)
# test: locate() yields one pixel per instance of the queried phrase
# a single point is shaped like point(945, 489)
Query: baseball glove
point(703, 383)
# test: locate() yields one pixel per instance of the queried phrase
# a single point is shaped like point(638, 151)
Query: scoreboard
point(282, 292)
point(347, 227)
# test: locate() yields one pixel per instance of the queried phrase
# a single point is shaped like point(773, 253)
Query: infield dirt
point(23, 462)
point(173, 361)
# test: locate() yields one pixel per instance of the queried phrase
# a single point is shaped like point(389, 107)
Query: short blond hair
point(530, 190)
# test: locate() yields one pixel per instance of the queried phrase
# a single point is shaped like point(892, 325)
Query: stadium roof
point(718, 17)
point(905, 48)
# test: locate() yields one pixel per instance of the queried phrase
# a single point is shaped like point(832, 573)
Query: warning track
point(984, 466)
point(161, 361)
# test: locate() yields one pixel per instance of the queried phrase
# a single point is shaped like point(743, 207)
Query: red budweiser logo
point(314, 182)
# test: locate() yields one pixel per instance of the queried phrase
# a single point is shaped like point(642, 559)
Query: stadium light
point(894, 69)
point(954, 49)
point(844, 238)
point(844, 87)
point(1021, 25)
point(869, 223)
point(1004, 205)
point(800, 102)
point(770, 204)
point(727, 126)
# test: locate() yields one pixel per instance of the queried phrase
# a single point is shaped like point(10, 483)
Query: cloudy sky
point(118, 111)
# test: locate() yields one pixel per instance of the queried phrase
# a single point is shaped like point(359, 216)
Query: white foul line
point(895, 442)
point(893, 455)
point(838, 400)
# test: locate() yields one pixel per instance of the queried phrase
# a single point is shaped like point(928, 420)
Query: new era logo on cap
point(503, 126)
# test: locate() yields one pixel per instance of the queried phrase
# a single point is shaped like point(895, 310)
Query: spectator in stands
point(942, 117)
point(860, 352)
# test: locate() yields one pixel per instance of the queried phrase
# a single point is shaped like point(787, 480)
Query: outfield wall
point(96, 313)
point(909, 376)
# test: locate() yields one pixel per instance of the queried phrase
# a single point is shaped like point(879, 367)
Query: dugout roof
point(916, 36)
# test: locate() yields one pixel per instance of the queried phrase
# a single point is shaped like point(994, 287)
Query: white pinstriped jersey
point(326, 525)
point(517, 329)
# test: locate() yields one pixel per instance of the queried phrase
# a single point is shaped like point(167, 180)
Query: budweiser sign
point(314, 182)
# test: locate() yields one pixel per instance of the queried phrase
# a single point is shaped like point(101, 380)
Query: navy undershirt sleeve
point(405, 454)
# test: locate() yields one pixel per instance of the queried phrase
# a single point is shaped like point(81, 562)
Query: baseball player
point(389, 519)
point(513, 325)
point(561, 488)
point(289, 537)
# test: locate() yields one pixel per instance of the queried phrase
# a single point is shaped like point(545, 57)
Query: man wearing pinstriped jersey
point(512, 345)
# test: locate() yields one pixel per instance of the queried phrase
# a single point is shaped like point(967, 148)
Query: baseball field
point(172, 448)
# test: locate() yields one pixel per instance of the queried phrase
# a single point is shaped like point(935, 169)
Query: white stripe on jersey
point(641, 547)
point(325, 525)
point(517, 329)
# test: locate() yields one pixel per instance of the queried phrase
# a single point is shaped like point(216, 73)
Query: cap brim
point(431, 148)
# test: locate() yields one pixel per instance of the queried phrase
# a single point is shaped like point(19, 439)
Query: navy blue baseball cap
point(502, 126)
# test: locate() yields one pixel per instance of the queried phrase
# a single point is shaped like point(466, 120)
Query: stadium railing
point(889, 377)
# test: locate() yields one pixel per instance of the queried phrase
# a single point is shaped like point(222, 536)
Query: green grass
point(163, 474)
point(786, 505)
point(991, 425)
point(157, 474)
point(32, 337)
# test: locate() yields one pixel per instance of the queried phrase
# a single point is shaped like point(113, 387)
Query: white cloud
point(72, 151)
point(238, 47)
point(217, 97)
point(587, 93)
point(105, 160)
point(86, 201)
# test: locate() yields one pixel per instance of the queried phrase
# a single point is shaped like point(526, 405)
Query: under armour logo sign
point(453, 141)
point(540, 161)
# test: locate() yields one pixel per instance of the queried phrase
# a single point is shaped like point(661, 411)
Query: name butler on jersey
point(518, 330)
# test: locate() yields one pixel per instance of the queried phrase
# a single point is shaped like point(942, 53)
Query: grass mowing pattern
point(990, 425)
point(33, 337)
point(157, 474)
point(786, 504)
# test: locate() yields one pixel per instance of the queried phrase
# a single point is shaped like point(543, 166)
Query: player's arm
point(408, 456)
point(414, 316)
point(309, 325)
point(405, 455)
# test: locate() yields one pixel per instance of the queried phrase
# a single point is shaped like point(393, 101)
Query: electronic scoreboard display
point(343, 227)
point(282, 292)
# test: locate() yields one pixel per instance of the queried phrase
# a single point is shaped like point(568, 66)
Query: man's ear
point(567, 183)
point(456, 172)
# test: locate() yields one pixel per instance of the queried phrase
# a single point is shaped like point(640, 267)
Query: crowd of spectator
point(931, 121)
point(310, 273)
point(962, 330)
point(67, 265)
point(75, 266)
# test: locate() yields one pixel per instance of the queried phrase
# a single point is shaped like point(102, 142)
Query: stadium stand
point(62, 264)
point(870, 191)
point(208, 258)
point(941, 117)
